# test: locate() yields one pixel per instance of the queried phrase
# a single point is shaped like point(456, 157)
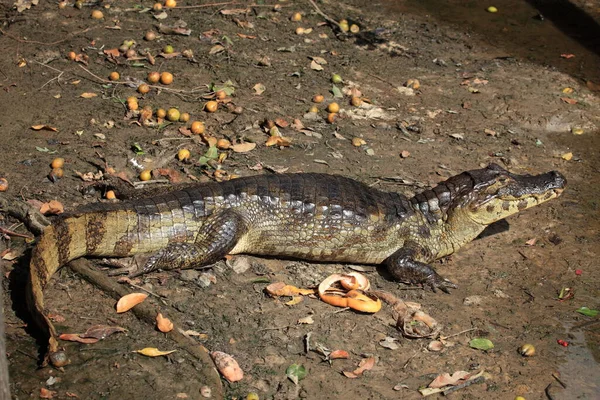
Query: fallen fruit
point(354, 28)
point(114, 76)
point(57, 162)
point(299, 30)
point(336, 78)
point(331, 117)
point(223, 144)
point(220, 94)
point(143, 88)
point(168, 49)
point(157, 7)
point(492, 9)
point(161, 113)
point(97, 14)
point(527, 350)
point(150, 36)
point(173, 114)
point(184, 117)
point(227, 366)
point(72, 56)
point(333, 107)
point(55, 174)
point(357, 142)
point(183, 154)
point(318, 98)
point(130, 53)
point(197, 127)
point(211, 106)
point(170, 3)
point(3, 184)
point(153, 77)
point(163, 324)
point(110, 195)
point(145, 175)
point(296, 17)
point(344, 25)
point(133, 105)
point(166, 78)
point(356, 101)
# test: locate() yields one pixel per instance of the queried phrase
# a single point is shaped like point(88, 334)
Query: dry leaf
point(243, 36)
point(405, 154)
point(227, 366)
point(567, 56)
point(129, 301)
point(306, 320)
point(112, 52)
point(567, 156)
point(235, 11)
point(216, 49)
point(338, 354)
point(101, 332)
point(364, 365)
point(9, 254)
point(52, 207)
point(163, 324)
point(315, 66)
point(47, 394)
point(295, 300)
point(277, 141)
point(44, 127)
point(243, 147)
point(259, 89)
point(531, 242)
point(568, 100)
point(88, 95)
point(446, 379)
point(153, 352)
point(75, 337)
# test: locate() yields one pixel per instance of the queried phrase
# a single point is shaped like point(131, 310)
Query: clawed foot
point(129, 266)
point(436, 281)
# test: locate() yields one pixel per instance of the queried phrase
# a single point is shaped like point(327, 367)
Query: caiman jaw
point(504, 194)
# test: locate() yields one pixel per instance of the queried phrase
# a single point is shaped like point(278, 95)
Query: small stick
point(479, 379)
point(12, 233)
point(327, 18)
point(459, 333)
point(142, 183)
point(47, 44)
point(205, 5)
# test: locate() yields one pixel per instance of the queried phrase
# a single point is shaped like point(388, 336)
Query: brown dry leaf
point(88, 95)
point(112, 52)
point(243, 147)
point(364, 365)
point(227, 366)
point(153, 352)
point(405, 154)
point(52, 207)
point(297, 125)
point(101, 332)
point(568, 100)
point(338, 354)
point(71, 394)
point(47, 394)
point(282, 123)
point(129, 301)
point(163, 324)
point(9, 254)
point(75, 337)
point(531, 242)
point(315, 66)
point(567, 156)
point(174, 30)
point(259, 89)
point(44, 127)
point(235, 11)
point(278, 141)
point(173, 175)
point(567, 55)
point(216, 49)
point(281, 289)
point(594, 87)
point(246, 36)
point(446, 379)
point(306, 320)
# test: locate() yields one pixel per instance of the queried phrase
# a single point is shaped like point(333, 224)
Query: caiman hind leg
point(404, 266)
point(218, 236)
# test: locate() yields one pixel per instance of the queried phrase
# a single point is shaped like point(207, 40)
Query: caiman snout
point(558, 182)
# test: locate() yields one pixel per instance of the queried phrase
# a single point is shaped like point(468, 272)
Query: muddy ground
point(479, 101)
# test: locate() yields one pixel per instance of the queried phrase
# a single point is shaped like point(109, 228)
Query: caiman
point(307, 216)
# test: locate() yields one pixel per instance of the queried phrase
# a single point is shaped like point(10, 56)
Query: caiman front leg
point(404, 266)
point(218, 236)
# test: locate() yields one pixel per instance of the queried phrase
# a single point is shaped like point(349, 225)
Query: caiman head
point(490, 194)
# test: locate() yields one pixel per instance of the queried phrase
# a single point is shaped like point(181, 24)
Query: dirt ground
point(481, 99)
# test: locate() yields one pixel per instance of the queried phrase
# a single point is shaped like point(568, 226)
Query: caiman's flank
point(308, 216)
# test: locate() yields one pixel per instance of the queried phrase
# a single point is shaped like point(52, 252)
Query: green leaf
point(262, 279)
point(137, 149)
point(212, 153)
point(296, 372)
point(336, 92)
point(481, 344)
point(587, 312)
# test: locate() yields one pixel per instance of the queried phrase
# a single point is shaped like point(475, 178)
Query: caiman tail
point(56, 247)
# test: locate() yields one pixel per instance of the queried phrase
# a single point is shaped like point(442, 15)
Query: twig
point(381, 79)
point(12, 233)
point(479, 379)
point(409, 360)
point(327, 18)
point(458, 333)
point(206, 5)
point(142, 183)
point(44, 43)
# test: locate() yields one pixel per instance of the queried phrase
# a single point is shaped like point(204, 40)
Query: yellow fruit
point(161, 113)
point(173, 114)
point(168, 49)
point(331, 118)
point(166, 78)
point(170, 4)
point(220, 94)
point(354, 28)
point(3, 184)
point(143, 88)
point(318, 98)
point(133, 105)
point(355, 101)
point(150, 36)
point(153, 77)
point(97, 14)
point(183, 154)
point(58, 162)
point(56, 173)
point(157, 7)
point(492, 9)
point(527, 350)
point(146, 175)
point(223, 144)
point(110, 195)
point(114, 76)
point(211, 106)
point(333, 107)
point(336, 78)
point(313, 109)
point(296, 17)
point(197, 127)
point(184, 117)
